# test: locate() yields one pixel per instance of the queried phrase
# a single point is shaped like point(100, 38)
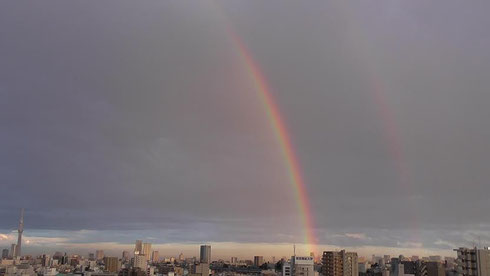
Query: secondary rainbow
point(283, 138)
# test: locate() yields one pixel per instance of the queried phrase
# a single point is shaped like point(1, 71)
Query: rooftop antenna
point(294, 250)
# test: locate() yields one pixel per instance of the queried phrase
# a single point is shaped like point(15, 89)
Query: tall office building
point(5, 253)
point(205, 256)
point(13, 247)
point(473, 261)
point(258, 260)
point(138, 247)
point(112, 264)
point(303, 266)
point(146, 250)
point(125, 256)
point(340, 263)
point(154, 256)
point(99, 255)
point(181, 257)
point(20, 230)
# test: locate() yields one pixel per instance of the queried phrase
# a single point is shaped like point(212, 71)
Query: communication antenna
point(294, 250)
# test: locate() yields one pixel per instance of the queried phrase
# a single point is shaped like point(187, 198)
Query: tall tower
point(205, 254)
point(20, 231)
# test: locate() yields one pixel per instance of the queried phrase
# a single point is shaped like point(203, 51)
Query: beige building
point(99, 255)
point(258, 260)
point(340, 263)
point(146, 250)
point(473, 261)
point(112, 264)
point(140, 261)
point(155, 256)
point(138, 247)
point(201, 269)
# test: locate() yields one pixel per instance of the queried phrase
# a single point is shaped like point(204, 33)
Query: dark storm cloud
point(129, 116)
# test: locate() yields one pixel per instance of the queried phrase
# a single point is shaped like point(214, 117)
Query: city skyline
point(253, 125)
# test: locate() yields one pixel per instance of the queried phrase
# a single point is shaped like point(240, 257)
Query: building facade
point(473, 261)
point(303, 266)
point(340, 263)
point(205, 254)
point(258, 260)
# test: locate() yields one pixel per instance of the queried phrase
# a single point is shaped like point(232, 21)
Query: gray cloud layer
point(125, 116)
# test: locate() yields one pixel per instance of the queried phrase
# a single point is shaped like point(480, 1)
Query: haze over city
point(247, 125)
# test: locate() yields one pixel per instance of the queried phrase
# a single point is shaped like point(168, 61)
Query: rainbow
point(283, 138)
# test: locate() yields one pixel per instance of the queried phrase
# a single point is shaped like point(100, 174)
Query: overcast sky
point(138, 119)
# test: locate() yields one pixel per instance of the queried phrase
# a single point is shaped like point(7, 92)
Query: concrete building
point(112, 264)
point(140, 261)
point(201, 269)
point(205, 254)
point(303, 266)
point(138, 247)
point(13, 247)
point(473, 261)
point(234, 261)
point(146, 250)
point(125, 256)
point(286, 269)
point(155, 256)
point(341, 263)
point(258, 260)
point(99, 255)
point(435, 269)
point(5, 253)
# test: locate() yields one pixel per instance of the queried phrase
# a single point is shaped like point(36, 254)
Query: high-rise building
point(140, 261)
point(125, 256)
point(46, 259)
point(258, 260)
point(473, 261)
point(138, 247)
point(303, 266)
point(146, 250)
point(154, 256)
point(181, 257)
point(351, 267)
point(112, 264)
point(205, 256)
point(234, 260)
point(5, 253)
point(13, 247)
point(99, 255)
point(340, 263)
point(20, 230)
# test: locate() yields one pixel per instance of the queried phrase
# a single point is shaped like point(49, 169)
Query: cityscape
point(244, 138)
point(144, 261)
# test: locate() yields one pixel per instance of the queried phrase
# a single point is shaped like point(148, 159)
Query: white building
point(303, 266)
point(286, 269)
